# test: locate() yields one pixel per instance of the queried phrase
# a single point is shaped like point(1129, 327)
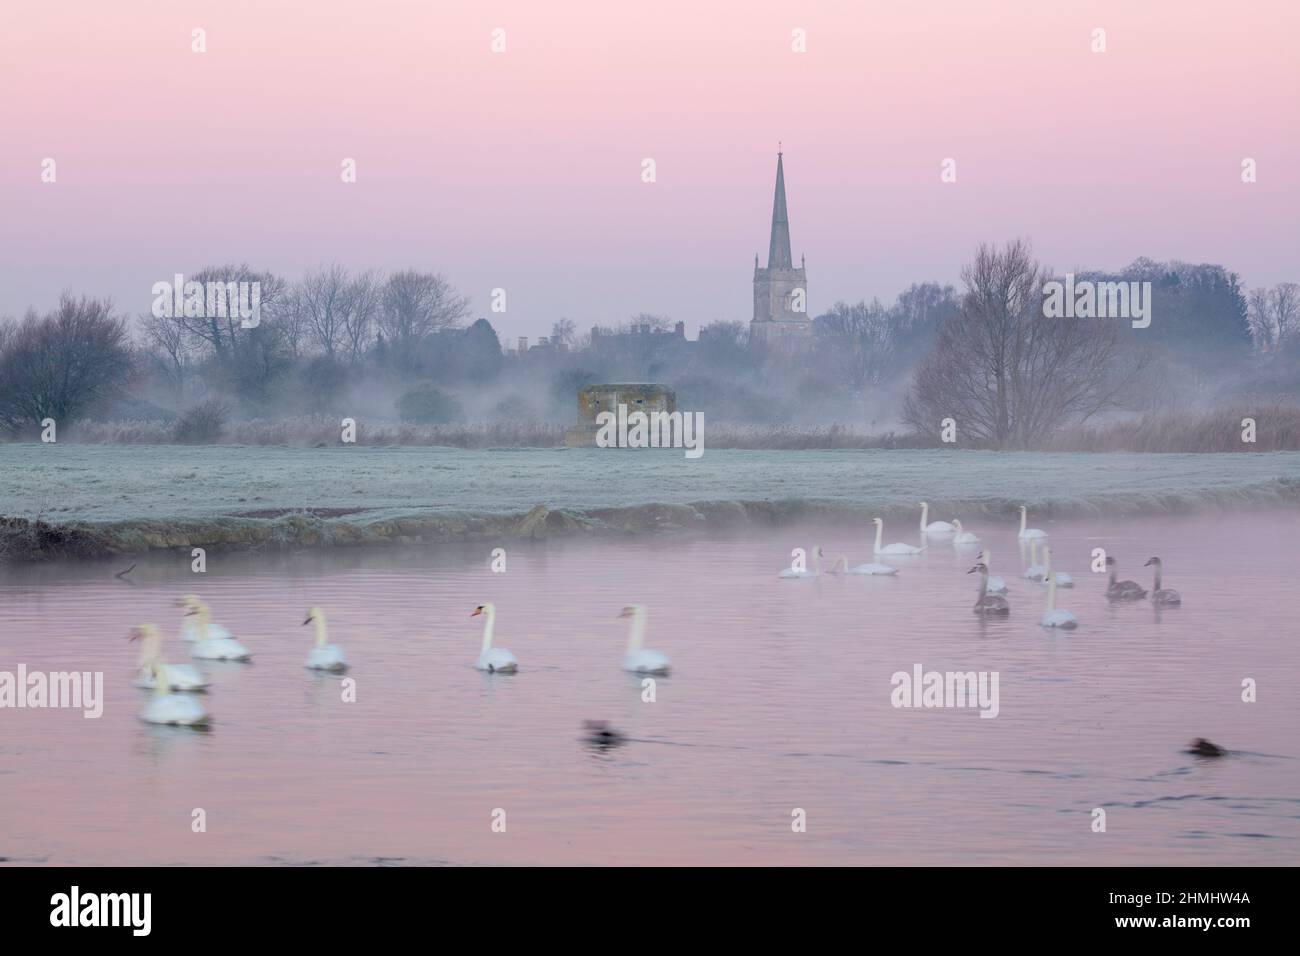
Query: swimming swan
point(324, 656)
point(1054, 616)
point(208, 647)
point(1035, 571)
point(988, 603)
point(494, 660)
point(896, 548)
point(842, 567)
point(1062, 579)
point(180, 677)
point(1122, 590)
point(1029, 532)
point(181, 710)
point(962, 538)
point(1161, 595)
point(933, 527)
point(801, 573)
point(639, 660)
point(190, 625)
point(996, 585)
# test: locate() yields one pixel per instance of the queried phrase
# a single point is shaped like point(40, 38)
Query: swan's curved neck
point(925, 515)
point(1114, 574)
point(1024, 520)
point(490, 619)
point(1047, 560)
point(880, 533)
point(984, 584)
point(1051, 593)
point(636, 631)
point(203, 617)
point(150, 649)
point(1158, 575)
point(162, 685)
point(322, 637)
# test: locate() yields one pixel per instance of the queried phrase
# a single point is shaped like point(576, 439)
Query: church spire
point(778, 252)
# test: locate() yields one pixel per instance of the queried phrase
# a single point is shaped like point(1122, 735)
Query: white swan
point(933, 527)
point(988, 603)
point(1122, 590)
point(1062, 579)
point(1161, 595)
point(181, 677)
point(1029, 532)
point(800, 574)
point(962, 538)
point(842, 567)
point(1035, 571)
point(494, 660)
point(190, 625)
point(208, 647)
point(640, 660)
point(324, 656)
point(182, 710)
point(1054, 616)
point(996, 585)
point(897, 547)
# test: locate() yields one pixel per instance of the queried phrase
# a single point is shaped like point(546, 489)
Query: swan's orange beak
point(626, 612)
point(134, 635)
point(476, 612)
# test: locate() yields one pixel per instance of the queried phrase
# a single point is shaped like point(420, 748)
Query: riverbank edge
point(28, 540)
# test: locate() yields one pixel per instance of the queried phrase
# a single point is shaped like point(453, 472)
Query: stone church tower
point(780, 290)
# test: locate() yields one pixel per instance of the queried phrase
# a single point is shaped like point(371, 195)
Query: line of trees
point(365, 343)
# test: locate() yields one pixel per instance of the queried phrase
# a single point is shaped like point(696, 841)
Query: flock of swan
point(992, 591)
point(174, 685)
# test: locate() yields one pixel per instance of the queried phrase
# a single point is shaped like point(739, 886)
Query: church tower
point(780, 290)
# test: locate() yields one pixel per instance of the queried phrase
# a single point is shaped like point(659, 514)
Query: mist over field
point(404, 349)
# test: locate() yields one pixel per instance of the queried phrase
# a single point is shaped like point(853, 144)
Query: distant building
point(636, 340)
point(780, 290)
point(595, 399)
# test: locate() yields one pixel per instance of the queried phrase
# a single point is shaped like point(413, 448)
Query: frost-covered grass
point(66, 482)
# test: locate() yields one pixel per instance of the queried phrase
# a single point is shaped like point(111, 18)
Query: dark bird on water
point(1203, 748)
point(122, 574)
point(601, 734)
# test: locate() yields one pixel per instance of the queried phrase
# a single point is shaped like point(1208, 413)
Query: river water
point(780, 700)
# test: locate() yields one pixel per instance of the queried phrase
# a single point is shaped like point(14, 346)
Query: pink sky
point(522, 170)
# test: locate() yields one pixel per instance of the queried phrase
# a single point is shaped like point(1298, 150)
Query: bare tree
point(226, 334)
point(414, 305)
point(564, 332)
point(170, 347)
point(363, 300)
point(856, 344)
point(1274, 316)
point(1007, 375)
point(62, 364)
point(319, 300)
